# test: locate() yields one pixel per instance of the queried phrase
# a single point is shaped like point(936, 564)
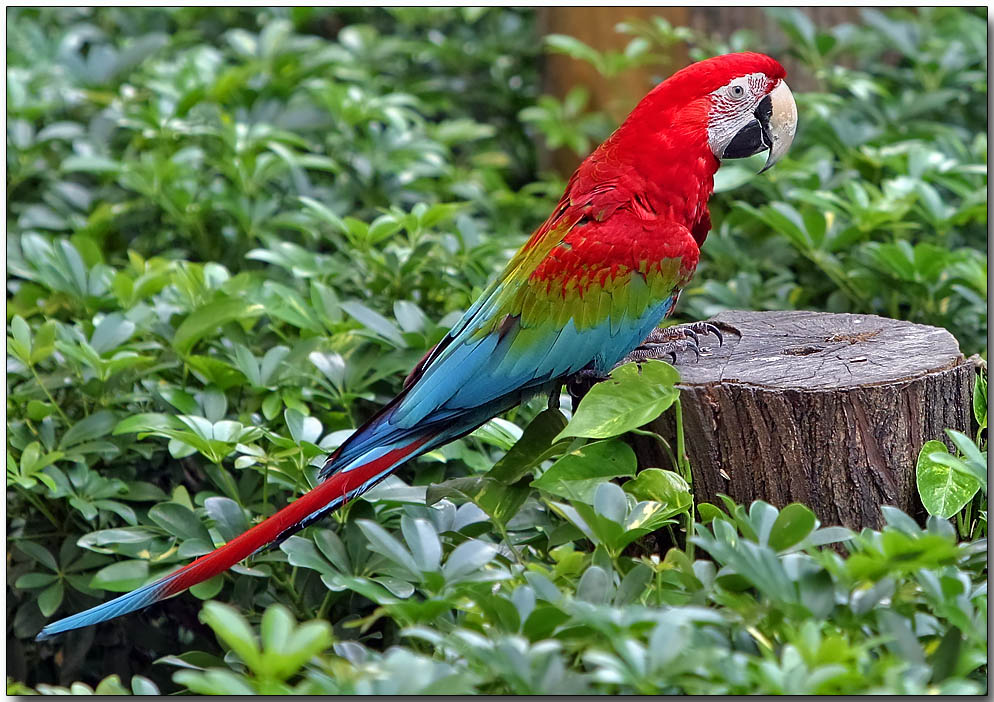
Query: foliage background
point(232, 231)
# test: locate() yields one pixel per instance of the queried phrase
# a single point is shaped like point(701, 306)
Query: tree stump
point(829, 410)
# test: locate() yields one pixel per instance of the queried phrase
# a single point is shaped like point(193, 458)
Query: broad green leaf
point(979, 399)
point(630, 398)
point(610, 502)
point(50, 598)
point(179, 521)
point(943, 490)
point(121, 577)
point(227, 515)
point(302, 428)
point(112, 331)
point(149, 422)
point(468, 557)
point(208, 588)
point(29, 581)
point(794, 523)
point(38, 553)
point(531, 449)
point(92, 427)
point(501, 502)
point(382, 542)
point(662, 486)
point(232, 629)
point(422, 540)
point(210, 318)
point(578, 473)
point(375, 322)
point(141, 685)
point(595, 586)
point(275, 629)
point(302, 553)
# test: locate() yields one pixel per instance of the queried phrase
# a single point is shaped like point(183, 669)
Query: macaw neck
point(668, 170)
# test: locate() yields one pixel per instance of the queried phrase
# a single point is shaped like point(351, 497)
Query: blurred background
point(352, 178)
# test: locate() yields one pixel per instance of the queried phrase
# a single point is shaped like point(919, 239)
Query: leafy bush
point(232, 230)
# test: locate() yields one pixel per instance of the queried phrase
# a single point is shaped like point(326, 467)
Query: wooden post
point(616, 95)
point(826, 409)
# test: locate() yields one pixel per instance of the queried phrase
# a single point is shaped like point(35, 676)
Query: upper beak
point(772, 127)
point(780, 123)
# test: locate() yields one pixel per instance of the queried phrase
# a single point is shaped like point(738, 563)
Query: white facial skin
point(732, 108)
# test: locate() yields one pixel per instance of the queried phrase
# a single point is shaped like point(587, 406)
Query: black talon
point(659, 344)
point(717, 332)
point(662, 343)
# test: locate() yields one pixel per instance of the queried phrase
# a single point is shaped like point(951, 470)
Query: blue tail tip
point(45, 634)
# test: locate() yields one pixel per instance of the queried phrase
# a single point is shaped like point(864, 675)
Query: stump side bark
point(829, 410)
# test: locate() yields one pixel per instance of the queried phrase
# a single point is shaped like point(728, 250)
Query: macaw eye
point(736, 91)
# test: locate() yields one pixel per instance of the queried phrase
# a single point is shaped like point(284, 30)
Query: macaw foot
point(579, 384)
point(669, 342)
point(660, 344)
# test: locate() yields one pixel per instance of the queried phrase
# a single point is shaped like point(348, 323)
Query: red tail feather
point(336, 486)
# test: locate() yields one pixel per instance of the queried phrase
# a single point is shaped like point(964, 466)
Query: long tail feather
point(339, 487)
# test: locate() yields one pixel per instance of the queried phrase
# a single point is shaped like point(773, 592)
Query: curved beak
point(780, 124)
point(773, 127)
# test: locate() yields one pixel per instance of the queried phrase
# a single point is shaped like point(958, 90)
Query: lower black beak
point(755, 136)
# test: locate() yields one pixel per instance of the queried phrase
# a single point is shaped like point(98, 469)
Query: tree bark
point(829, 410)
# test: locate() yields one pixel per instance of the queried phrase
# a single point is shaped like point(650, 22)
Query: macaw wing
point(588, 298)
point(580, 292)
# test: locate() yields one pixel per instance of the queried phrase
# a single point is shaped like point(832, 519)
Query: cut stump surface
point(829, 410)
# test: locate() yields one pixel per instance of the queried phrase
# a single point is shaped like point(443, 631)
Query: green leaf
point(531, 449)
point(794, 523)
point(44, 342)
point(39, 553)
point(180, 399)
point(943, 490)
point(50, 598)
point(662, 486)
point(501, 502)
point(578, 473)
point(141, 685)
point(146, 423)
point(121, 577)
point(179, 521)
point(630, 398)
point(230, 627)
point(92, 427)
point(386, 545)
point(303, 554)
point(302, 428)
point(422, 540)
point(275, 629)
point(112, 331)
point(208, 588)
point(229, 519)
point(979, 399)
point(375, 322)
point(610, 502)
point(210, 318)
point(29, 581)
point(323, 213)
point(467, 558)
point(595, 586)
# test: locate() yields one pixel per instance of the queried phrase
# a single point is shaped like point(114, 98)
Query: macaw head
point(738, 104)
